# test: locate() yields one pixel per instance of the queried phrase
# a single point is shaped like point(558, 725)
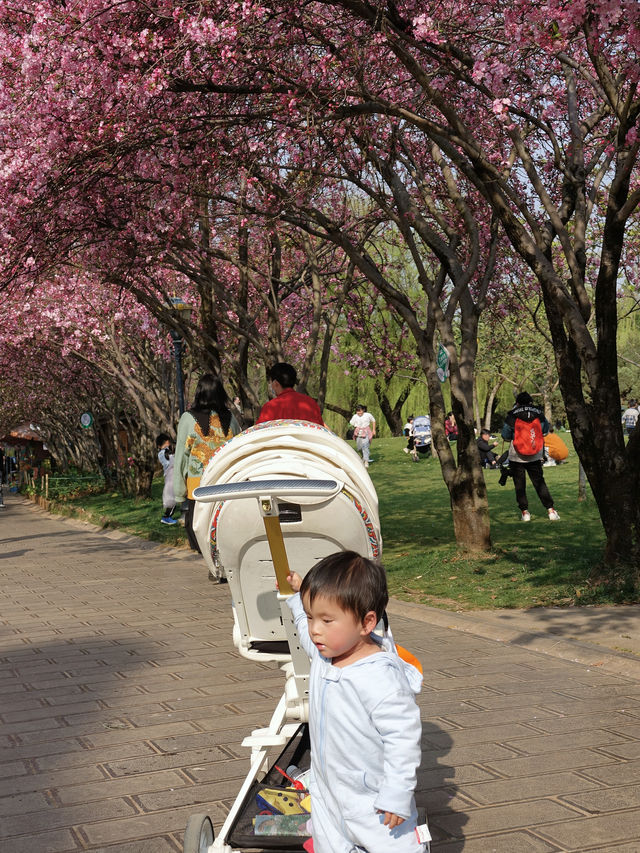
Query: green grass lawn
point(540, 563)
point(140, 517)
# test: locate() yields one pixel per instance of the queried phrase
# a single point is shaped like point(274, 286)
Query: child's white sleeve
point(294, 602)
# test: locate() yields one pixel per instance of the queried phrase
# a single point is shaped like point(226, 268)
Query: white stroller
point(420, 437)
point(280, 493)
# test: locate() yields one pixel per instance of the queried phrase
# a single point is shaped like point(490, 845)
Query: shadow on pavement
point(436, 786)
point(39, 536)
point(70, 711)
point(14, 554)
point(616, 627)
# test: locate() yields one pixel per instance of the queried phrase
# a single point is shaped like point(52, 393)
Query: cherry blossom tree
point(157, 203)
point(134, 109)
point(438, 288)
point(536, 104)
point(80, 346)
point(375, 344)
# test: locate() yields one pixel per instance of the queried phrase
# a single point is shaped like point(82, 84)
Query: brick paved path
point(123, 705)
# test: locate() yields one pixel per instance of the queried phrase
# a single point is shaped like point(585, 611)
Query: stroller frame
point(263, 625)
point(293, 705)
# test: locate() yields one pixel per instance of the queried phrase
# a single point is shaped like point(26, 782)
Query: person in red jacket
point(288, 403)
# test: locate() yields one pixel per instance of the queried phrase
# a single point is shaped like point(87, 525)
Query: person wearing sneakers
point(524, 427)
point(364, 429)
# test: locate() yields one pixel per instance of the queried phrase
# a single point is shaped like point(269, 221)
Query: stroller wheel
point(198, 835)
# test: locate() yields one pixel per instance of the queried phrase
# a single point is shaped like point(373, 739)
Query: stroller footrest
point(264, 740)
point(267, 737)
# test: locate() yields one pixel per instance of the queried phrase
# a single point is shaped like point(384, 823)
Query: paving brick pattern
point(123, 705)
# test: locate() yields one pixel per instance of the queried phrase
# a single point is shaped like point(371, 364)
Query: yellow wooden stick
point(278, 552)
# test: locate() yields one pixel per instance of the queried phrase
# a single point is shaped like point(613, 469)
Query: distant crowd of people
point(533, 444)
point(210, 422)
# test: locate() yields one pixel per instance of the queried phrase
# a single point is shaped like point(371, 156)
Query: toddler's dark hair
point(161, 439)
point(356, 583)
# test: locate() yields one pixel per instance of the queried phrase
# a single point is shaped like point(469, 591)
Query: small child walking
point(165, 458)
point(364, 722)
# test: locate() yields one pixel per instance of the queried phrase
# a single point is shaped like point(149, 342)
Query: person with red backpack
point(525, 426)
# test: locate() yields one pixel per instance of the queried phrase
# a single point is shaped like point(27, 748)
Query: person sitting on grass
point(451, 427)
point(485, 449)
point(555, 449)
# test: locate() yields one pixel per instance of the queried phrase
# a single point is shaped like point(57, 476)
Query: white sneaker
point(366, 464)
point(526, 515)
point(553, 515)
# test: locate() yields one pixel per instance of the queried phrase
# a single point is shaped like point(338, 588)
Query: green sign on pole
point(442, 360)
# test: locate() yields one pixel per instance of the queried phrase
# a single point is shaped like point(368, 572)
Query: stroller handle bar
point(266, 488)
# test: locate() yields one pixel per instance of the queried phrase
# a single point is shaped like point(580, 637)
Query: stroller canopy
point(292, 450)
point(422, 429)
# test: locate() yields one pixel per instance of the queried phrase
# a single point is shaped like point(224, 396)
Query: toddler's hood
point(413, 675)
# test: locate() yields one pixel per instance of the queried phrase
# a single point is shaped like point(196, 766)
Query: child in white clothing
point(364, 722)
point(165, 458)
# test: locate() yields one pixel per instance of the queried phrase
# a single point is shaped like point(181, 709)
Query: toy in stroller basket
point(281, 492)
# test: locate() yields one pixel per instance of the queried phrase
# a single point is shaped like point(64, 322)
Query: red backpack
point(527, 437)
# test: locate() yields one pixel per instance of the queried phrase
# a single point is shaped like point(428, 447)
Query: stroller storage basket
point(241, 832)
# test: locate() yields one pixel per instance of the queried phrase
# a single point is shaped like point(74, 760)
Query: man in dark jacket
point(485, 449)
point(528, 418)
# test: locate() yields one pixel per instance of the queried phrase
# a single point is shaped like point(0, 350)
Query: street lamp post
point(182, 311)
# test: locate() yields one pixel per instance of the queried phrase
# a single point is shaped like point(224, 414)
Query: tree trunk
point(610, 466)
point(488, 414)
point(476, 408)
point(468, 495)
point(470, 513)
point(582, 484)
point(391, 411)
point(464, 479)
point(333, 313)
point(339, 410)
point(609, 469)
point(145, 463)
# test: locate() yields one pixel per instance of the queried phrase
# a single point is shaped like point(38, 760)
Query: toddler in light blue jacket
point(364, 722)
